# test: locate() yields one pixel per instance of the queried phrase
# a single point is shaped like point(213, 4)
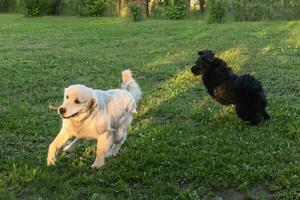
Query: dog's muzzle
point(75, 114)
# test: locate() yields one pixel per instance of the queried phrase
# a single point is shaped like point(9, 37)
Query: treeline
point(215, 10)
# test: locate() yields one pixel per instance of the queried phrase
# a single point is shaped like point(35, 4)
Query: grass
point(182, 144)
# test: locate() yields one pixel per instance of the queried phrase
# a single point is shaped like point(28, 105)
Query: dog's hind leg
point(256, 119)
point(122, 134)
point(70, 147)
point(266, 115)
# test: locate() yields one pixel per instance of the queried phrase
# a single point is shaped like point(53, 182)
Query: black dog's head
point(204, 62)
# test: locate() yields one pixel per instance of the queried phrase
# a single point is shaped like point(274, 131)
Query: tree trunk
point(119, 7)
point(282, 8)
point(147, 7)
point(201, 4)
point(138, 2)
point(188, 5)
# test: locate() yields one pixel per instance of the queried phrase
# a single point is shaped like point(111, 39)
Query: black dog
point(245, 92)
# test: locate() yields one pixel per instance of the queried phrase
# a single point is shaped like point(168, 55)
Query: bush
point(4, 4)
point(135, 11)
point(94, 8)
point(176, 10)
point(7, 5)
point(216, 11)
point(158, 11)
point(55, 7)
point(242, 10)
point(253, 10)
point(36, 7)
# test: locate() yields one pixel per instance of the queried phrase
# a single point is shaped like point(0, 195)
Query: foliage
point(36, 7)
point(176, 10)
point(159, 8)
point(239, 10)
point(135, 11)
point(4, 5)
point(217, 12)
point(55, 7)
point(11, 5)
point(41, 7)
point(94, 8)
point(253, 10)
point(158, 11)
point(182, 144)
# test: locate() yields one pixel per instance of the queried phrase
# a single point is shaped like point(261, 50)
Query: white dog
point(96, 114)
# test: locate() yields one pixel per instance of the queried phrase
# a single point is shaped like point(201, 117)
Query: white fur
point(101, 115)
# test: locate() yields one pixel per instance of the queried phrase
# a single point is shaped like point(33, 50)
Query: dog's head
point(78, 100)
point(204, 62)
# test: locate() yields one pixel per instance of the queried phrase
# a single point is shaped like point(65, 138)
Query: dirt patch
point(257, 192)
point(231, 194)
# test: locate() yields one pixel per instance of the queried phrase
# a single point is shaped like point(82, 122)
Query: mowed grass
point(182, 144)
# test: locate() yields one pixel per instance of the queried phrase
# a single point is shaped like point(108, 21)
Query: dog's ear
point(93, 103)
point(208, 55)
point(200, 53)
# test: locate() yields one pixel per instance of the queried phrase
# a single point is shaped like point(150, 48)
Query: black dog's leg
point(248, 114)
point(256, 119)
point(242, 112)
point(266, 115)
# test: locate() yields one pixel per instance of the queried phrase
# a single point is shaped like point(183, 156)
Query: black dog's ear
point(211, 53)
point(208, 55)
point(206, 52)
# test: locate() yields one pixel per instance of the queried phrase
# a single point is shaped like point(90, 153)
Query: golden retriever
point(96, 114)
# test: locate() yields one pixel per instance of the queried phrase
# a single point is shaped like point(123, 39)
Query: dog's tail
point(131, 85)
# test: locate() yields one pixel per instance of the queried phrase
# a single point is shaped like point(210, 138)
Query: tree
point(201, 4)
point(56, 7)
point(119, 7)
point(147, 7)
point(188, 5)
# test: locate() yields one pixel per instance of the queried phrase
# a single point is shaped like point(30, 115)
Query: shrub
point(158, 11)
point(4, 5)
point(176, 10)
point(242, 10)
point(253, 10)
point(216, 11)
point(55, 7)
point(7, 5)
point(135, 11)
point(36, 7)
point(94, 8)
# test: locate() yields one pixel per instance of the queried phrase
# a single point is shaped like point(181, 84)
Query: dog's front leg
point(104, 143)
point(70, 147)
point(57, 143)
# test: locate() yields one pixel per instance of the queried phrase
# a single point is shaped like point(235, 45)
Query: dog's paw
point(51, 160)
point(97, 165)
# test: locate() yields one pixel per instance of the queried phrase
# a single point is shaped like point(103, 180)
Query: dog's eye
point(77, 101)
point(67, 97)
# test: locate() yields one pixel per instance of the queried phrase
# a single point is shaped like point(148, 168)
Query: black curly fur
point(245, 92)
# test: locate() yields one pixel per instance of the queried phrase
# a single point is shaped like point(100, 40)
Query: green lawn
point(182, 144)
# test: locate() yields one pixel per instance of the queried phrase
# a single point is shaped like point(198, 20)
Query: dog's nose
point(62, 110)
